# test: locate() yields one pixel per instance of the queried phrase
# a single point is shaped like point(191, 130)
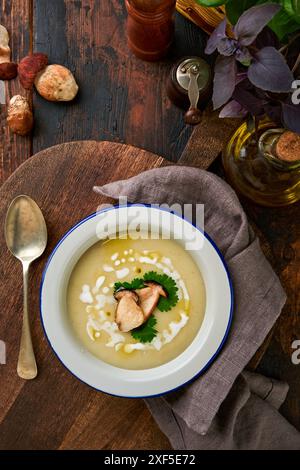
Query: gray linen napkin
point(223, 408)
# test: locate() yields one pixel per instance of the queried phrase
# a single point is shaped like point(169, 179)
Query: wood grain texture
point(208, 139)
point(16, 16)
point(124, 100)
point(280, 228)
point(121, 98)
point(56, 410)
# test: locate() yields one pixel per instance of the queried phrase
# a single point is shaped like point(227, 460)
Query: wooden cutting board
point(56, 411)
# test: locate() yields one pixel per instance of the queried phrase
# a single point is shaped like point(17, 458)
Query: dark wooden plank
point(16, 16)
point(277, 363)
point(114, 424)
point(56, 410)
point(208, 139)
point(121, 98)
point(281, 227)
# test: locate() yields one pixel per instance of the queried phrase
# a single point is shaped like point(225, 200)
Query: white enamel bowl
point(130, 383)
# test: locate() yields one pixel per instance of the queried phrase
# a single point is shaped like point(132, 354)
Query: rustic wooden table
point(124, 100)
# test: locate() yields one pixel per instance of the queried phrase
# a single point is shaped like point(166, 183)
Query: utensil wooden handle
point(26, 368)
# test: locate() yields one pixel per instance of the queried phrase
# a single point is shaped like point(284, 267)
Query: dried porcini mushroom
point(19, 115)
point(30, 66)
point(4, 47)
point(129, 314)
point(149, 297)
point(56, 83)
point(8, 70)
point(136, 306)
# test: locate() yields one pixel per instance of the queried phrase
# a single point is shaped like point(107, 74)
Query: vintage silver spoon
point(26, 238)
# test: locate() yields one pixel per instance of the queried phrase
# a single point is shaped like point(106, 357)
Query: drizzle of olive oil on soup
point(90, 299)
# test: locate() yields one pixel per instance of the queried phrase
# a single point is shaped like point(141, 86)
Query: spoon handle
point(26, 363)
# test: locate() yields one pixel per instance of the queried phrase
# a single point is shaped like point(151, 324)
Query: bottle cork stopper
point(288, 147)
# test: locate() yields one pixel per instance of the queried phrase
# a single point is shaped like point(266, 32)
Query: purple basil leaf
point(267, 37)
point(274, 111)
point(233, 109)
point(291, 117)
point(241, 76)
point(224, 80)
point(243, 56)
point(252, 22)
point(270, 71)
point(216, 36)
point(263, 95)
point(227, 46)
point(244, 94)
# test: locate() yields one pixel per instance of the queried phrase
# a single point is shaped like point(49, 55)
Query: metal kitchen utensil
point(26, 238)
point(189, 87)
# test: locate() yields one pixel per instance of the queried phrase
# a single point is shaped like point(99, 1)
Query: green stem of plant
point(286, 46)
point(297, 63)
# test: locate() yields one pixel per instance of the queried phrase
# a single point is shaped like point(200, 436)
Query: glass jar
point(253, 167)
point(150, 27)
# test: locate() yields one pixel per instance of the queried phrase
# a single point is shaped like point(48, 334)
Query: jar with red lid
point(150, 27)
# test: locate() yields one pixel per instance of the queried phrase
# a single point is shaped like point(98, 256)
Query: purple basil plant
point(250, 78)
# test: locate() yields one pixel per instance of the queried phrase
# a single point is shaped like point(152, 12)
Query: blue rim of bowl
point(212, 359)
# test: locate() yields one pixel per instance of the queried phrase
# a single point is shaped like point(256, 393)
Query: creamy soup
point(91, 303)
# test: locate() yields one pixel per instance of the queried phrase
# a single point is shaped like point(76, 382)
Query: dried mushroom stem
point(149, 297)
point(135, 307)
point(4, 45)
point(8, 69)
point(129, 314)
point(19, 115)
